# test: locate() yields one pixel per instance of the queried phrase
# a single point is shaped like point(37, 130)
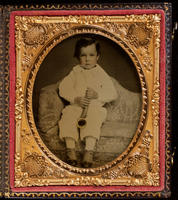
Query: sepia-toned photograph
point(87, 100)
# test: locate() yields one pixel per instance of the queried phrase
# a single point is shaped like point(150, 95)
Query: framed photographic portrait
point(131, 138)
point(123, 114)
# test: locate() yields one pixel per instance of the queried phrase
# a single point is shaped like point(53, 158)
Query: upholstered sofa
point(116, 133)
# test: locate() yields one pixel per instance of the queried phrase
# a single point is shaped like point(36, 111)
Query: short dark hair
point(83, 43)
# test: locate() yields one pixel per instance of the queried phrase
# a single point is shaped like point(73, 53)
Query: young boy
point(87, 85)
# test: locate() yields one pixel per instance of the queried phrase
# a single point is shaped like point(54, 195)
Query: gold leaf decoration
point(138, 166)
point(25, 136)
point(155, 102)
point(139, 35)
point(34, 165)
point(87, 180)
point(19, 100)
point(35, 35)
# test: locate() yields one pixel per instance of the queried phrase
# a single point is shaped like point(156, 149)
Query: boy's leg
point(71, 151)
point(68, 131)
point(95, 117)
point(90, 143)
point(70, 143)
point(68, 123)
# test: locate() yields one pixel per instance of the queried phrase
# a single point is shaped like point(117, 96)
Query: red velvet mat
point(12, 101)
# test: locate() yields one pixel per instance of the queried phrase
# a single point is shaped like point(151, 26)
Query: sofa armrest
point(50, 108)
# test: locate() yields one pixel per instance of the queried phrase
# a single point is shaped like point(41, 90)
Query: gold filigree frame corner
point(139, 37)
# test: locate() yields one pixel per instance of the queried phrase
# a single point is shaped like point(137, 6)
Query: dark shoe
point(71, 157)
point(87, 159)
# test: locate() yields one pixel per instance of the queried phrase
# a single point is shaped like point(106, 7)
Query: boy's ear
point(98, 57)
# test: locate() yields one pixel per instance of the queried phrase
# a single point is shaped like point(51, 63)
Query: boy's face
point(88, 56)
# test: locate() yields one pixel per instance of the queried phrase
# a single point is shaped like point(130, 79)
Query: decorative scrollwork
point(25, 136)
point(147, 61)
point(35, 35)
point(22, 178)
point(34, 165)
point(119, 29)
point(87, 180)
point(138, 167)
point(30, 83)
point(155, 102)
point(139, 35)
point(39, 34)
point(152, 179)
point(19, 100)
point(154, 23)
point(34, 170)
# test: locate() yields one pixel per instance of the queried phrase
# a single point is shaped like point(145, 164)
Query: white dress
point(75, 85)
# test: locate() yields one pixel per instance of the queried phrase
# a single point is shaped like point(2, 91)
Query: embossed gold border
point(121, 195)
point(34, 70)
point(144, 147)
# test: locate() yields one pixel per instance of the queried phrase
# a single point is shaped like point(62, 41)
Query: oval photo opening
point(87, 100)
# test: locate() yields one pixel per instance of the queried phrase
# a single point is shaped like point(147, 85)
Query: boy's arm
point(107, 91)
point(66, 88)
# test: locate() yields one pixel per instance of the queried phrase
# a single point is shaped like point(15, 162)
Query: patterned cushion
point(122, 118)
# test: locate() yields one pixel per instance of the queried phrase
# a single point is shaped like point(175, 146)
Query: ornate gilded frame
point(33, 41)
point(139, 166)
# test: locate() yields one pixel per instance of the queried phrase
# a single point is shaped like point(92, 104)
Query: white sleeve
point(66, 87)
point(107, 91)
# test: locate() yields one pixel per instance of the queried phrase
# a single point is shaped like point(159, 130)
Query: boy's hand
point(91, 93)
point(81, 101)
